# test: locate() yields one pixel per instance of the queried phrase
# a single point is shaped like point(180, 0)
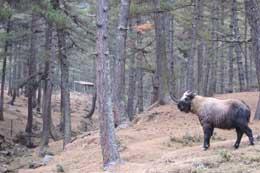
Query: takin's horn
point(175, 100)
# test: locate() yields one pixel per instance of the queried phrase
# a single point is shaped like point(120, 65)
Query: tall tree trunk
point(119, 73)
point(132, 77)
point(222, 49)
point(94, 95)
point(104, 87)
point(217, 50)
point(131, 89)
point(14, 73)
point(253, 14)
point(230, 68)
point(200, 56)
point(246, 53)
point(251, 61)
point(61, 104)
point(139, 77)
point(214, 48)
point(25, 74)
point(160, 82)
point(19, 67)
point(256, 52)
point(65, 86)
point(231, 59)
point(139, 69)
point(31, 83)
point(238, 49)
point(170, 52)
point(192, 53)
point(207, 70)
point(200, 47)
point(8, 27)
point(48, 85)
point(93, 105)
point(39, 89)
point(39, 98)
point(10, 69)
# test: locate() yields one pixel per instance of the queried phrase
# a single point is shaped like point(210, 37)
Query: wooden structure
point(83, 86)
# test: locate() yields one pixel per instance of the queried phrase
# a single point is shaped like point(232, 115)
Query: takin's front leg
point(208, 132)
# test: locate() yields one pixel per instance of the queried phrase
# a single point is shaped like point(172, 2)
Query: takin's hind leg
point(239, 136)
point(249, 133)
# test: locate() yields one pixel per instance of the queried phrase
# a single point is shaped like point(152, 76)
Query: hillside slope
point(163, 140)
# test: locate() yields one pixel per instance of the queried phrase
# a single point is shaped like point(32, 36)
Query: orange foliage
point(142, 28)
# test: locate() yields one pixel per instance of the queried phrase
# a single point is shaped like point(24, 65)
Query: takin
point(216, 113)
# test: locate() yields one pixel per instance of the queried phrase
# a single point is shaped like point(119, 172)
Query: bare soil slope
point(163, 140)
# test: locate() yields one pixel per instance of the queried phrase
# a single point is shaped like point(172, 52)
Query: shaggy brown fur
point(216, 113)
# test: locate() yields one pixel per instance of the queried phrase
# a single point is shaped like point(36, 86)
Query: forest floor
point(14, 155)
point(162, 140)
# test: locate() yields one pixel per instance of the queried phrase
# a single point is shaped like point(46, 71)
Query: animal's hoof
point(236, 146)
point(205, 148)
point(251, 140)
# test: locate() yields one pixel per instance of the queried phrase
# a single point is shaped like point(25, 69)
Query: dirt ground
point(162, 140)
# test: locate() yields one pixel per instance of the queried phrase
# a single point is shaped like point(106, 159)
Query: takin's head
point(184, 103)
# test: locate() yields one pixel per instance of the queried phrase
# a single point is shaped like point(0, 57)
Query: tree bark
point(132, 76)
point(48, 85)
point(160, 81)
point(237, 46)
point(10, 69)
point(31, 83)
point(119, 73)
point(251, 61)
point(170, 52)
point(104, 87)
point(39, 98)
point(222, 49)
point(207, 70)
point(231, 59)
point(139, 69)
point(19, 66)
point(65, 86)
point(139, 78)
point(246, 53)
point(253, 14)
point(200, 47)
point(200, 70)
point(40, 86)
point(214, 48)
point(131, 89)
point(192, 53)
point(217, 50)
point(8, 27)
point(14, 73)
point(253, 18)
point(93, 105)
